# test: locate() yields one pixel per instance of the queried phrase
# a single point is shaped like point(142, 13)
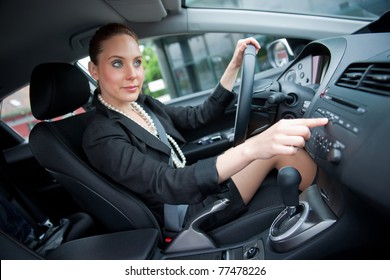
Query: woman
point(122, 141)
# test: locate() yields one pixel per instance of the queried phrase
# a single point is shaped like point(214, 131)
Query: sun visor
point(134, 10)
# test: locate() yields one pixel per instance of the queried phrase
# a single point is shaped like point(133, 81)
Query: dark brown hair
point(104, 33)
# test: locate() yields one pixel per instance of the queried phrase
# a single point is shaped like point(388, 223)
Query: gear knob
point(289, 179)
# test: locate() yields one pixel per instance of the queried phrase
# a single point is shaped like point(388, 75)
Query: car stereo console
point(353, 146)
point(344, 127)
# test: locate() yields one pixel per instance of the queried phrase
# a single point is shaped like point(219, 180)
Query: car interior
point(49, 181)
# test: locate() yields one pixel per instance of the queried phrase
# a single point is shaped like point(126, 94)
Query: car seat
point(57, 89)
point(25, 229)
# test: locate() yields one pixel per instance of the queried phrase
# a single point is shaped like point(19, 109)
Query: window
point(179, 65)
point(16, 112)
point(358, 9)
point(175, 66)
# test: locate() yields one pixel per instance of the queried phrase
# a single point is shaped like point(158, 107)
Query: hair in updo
point(104, 33)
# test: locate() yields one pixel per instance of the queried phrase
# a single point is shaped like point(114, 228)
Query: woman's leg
point(250, 178)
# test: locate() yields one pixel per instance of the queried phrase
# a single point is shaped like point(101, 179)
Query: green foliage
point(150, 62)
point(152, 70)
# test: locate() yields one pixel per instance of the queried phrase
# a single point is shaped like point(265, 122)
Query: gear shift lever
point(289, 179)
point(305, 215)
point(285, 226)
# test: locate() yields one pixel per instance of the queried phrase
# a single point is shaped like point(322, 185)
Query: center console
point(305, 216)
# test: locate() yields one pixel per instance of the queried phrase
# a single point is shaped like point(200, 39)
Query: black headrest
point(57, 89)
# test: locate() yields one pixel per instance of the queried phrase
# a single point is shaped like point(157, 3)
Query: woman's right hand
point(283, 138)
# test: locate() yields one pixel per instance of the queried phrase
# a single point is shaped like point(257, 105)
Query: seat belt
point(173, 214)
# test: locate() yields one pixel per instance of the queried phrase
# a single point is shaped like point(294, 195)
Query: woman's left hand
point(229, 77)
point(240, 49)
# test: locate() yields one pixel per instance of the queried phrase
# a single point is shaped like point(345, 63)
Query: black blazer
point(121, 149)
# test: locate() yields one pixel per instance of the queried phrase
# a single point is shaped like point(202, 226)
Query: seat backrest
point(57, 89)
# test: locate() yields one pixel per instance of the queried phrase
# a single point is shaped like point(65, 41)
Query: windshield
point(357, 9)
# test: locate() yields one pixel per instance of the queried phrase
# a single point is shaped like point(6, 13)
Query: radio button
point(334, 155)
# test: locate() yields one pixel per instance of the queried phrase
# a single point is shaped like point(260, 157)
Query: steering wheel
point(243, 109)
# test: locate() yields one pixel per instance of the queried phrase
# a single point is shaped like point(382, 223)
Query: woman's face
point(119, 71)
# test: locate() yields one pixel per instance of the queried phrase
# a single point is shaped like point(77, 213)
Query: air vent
point(367, 77)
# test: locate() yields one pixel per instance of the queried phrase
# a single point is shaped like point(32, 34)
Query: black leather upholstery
point(14, 250)
point(57, 89)
point(21, 215)
point(124, 245)
point(80, 226)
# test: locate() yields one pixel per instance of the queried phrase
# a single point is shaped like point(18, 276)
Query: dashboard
point(351, 75)
point(309, 70)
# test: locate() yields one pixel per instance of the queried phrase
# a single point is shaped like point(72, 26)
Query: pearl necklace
point(151, 128)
